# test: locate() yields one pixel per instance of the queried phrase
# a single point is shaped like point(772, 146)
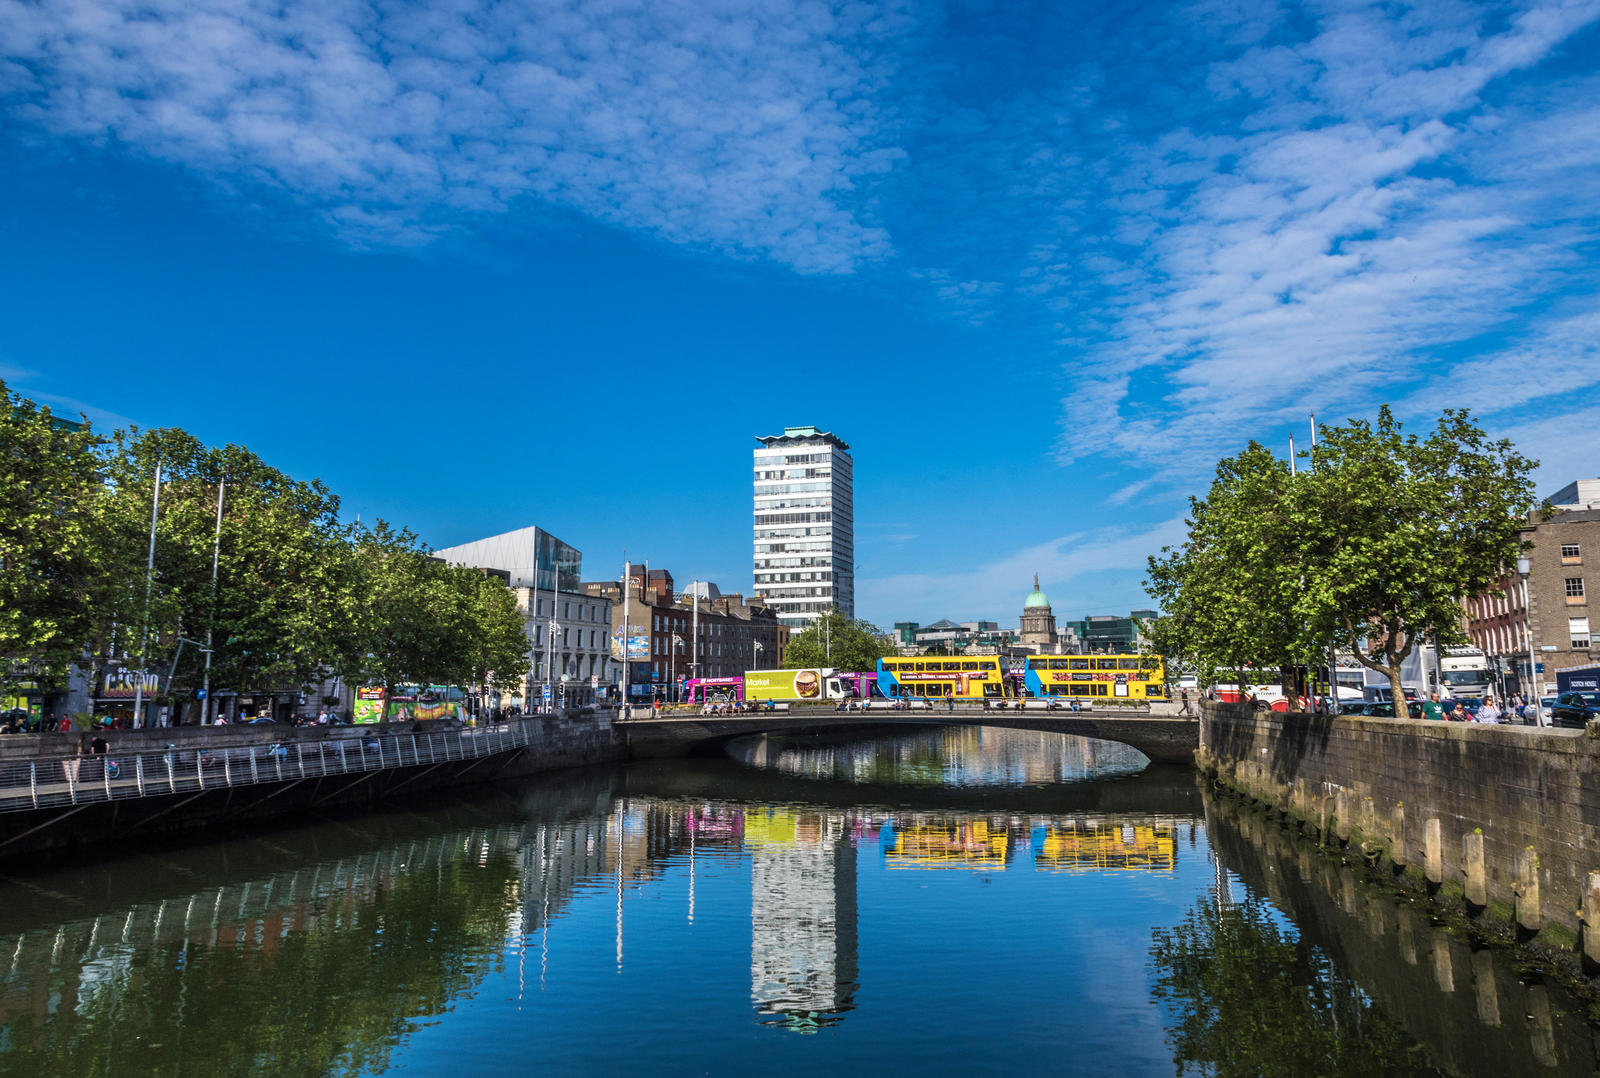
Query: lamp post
point(672, 668)
point(1525, 570)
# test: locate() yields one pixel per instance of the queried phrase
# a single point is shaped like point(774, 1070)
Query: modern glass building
point(805, 556)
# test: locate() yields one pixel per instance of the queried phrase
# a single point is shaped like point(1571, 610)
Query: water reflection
point(803, 960)
point(949, 757)
point(1352, 966)
point(481, 935)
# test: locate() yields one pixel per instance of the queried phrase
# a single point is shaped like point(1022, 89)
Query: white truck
point(1464, 672)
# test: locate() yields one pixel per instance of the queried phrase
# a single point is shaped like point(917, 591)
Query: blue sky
point(480, 265)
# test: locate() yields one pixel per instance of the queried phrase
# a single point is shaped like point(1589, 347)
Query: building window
point(1570, 554)
point(1574, 590)
point(1578, 630)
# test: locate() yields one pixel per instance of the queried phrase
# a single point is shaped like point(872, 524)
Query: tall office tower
point(805, 549)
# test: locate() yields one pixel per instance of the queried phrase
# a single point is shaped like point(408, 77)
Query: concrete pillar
point(1591, 917)
point(1397, 835)
point(1529, 912)
point(1433, 849)
point(1368, 818)
point(1484, 983)
point(1347, 892)
point(1472, 861)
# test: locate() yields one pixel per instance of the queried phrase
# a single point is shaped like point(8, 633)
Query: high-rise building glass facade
point(805, 551)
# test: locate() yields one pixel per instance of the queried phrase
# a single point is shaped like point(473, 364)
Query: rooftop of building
point(801, 435)
point(1578, 494)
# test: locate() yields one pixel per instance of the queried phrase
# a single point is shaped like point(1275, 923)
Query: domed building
point(1038, 622)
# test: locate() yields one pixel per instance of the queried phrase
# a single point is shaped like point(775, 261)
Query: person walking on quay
point(1183, 698)
point(1489, 712)
point(1433, 709)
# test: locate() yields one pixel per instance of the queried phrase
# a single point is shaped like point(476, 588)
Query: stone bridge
point(1165, 739)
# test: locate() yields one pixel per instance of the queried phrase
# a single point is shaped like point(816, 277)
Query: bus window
point(1128, 664)
point(1105, 664)
point(1078, 664)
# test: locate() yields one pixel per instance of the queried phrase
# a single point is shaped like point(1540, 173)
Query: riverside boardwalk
point(155, 779)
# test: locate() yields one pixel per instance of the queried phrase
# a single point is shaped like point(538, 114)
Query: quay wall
point(574, 739)
point(1502, 820)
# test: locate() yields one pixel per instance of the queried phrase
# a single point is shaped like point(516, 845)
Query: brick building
point(735, 635)
point(1556, 594)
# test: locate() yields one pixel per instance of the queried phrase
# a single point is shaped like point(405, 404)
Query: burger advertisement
point(784, 685)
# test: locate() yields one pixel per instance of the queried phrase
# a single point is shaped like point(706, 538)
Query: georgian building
point(1552, 601)
point(695, 632)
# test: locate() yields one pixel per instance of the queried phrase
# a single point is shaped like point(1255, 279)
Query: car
point(1575, 709)
point(1385, 710)
point(259, 720)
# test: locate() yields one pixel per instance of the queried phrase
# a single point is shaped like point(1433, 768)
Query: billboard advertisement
point(638, 643)
point(368, 704)
point(804, 684)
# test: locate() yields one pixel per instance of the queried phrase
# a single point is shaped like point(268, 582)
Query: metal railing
point(67, 781)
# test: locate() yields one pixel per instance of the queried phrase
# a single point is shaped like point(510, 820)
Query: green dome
point(1035, 597)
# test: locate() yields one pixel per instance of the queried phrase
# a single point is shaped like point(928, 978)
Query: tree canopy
point(296, 594)
point(838, 641)
point(1372, 546)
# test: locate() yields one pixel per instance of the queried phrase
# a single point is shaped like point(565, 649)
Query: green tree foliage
point(297, 594)
point(271, 613)
point(407, 617)
point(840, 642)
point(1396, 530)
point(1372, 546)
point(1225, 594)
point(50, 554)
point(1247, 998)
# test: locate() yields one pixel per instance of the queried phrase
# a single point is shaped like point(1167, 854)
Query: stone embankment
point(1501, 821)
point(150, 783)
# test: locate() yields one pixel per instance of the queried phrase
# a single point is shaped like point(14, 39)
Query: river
point(950, 902)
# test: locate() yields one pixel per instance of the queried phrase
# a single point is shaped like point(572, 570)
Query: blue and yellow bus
point(1096, 677)
point(962, 677)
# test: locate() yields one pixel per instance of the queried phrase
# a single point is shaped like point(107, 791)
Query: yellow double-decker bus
point(1096, 677)
point(977, 677)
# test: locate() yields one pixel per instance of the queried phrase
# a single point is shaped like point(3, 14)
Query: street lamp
point(672, 668)
point(1525, 570)
point(550, 660)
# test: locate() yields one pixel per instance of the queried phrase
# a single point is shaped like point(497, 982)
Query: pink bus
point(700, 690)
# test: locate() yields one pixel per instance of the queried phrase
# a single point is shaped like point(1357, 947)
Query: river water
point(951, 902)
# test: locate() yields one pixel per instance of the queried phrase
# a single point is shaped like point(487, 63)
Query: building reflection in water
point(803, 957)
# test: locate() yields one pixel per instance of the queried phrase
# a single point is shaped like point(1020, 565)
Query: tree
point(52, 556)
point(1374, 546)
point(1396, 530)
point(1227, 592)
point(837, 641)
point(271, 609)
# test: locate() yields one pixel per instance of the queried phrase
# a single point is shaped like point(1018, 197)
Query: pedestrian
point(1433, 709)
point(1183, 698)
point(1489, 712)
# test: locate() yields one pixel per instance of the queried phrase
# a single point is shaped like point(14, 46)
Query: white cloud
point(1354, 235)
point(749, 129)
